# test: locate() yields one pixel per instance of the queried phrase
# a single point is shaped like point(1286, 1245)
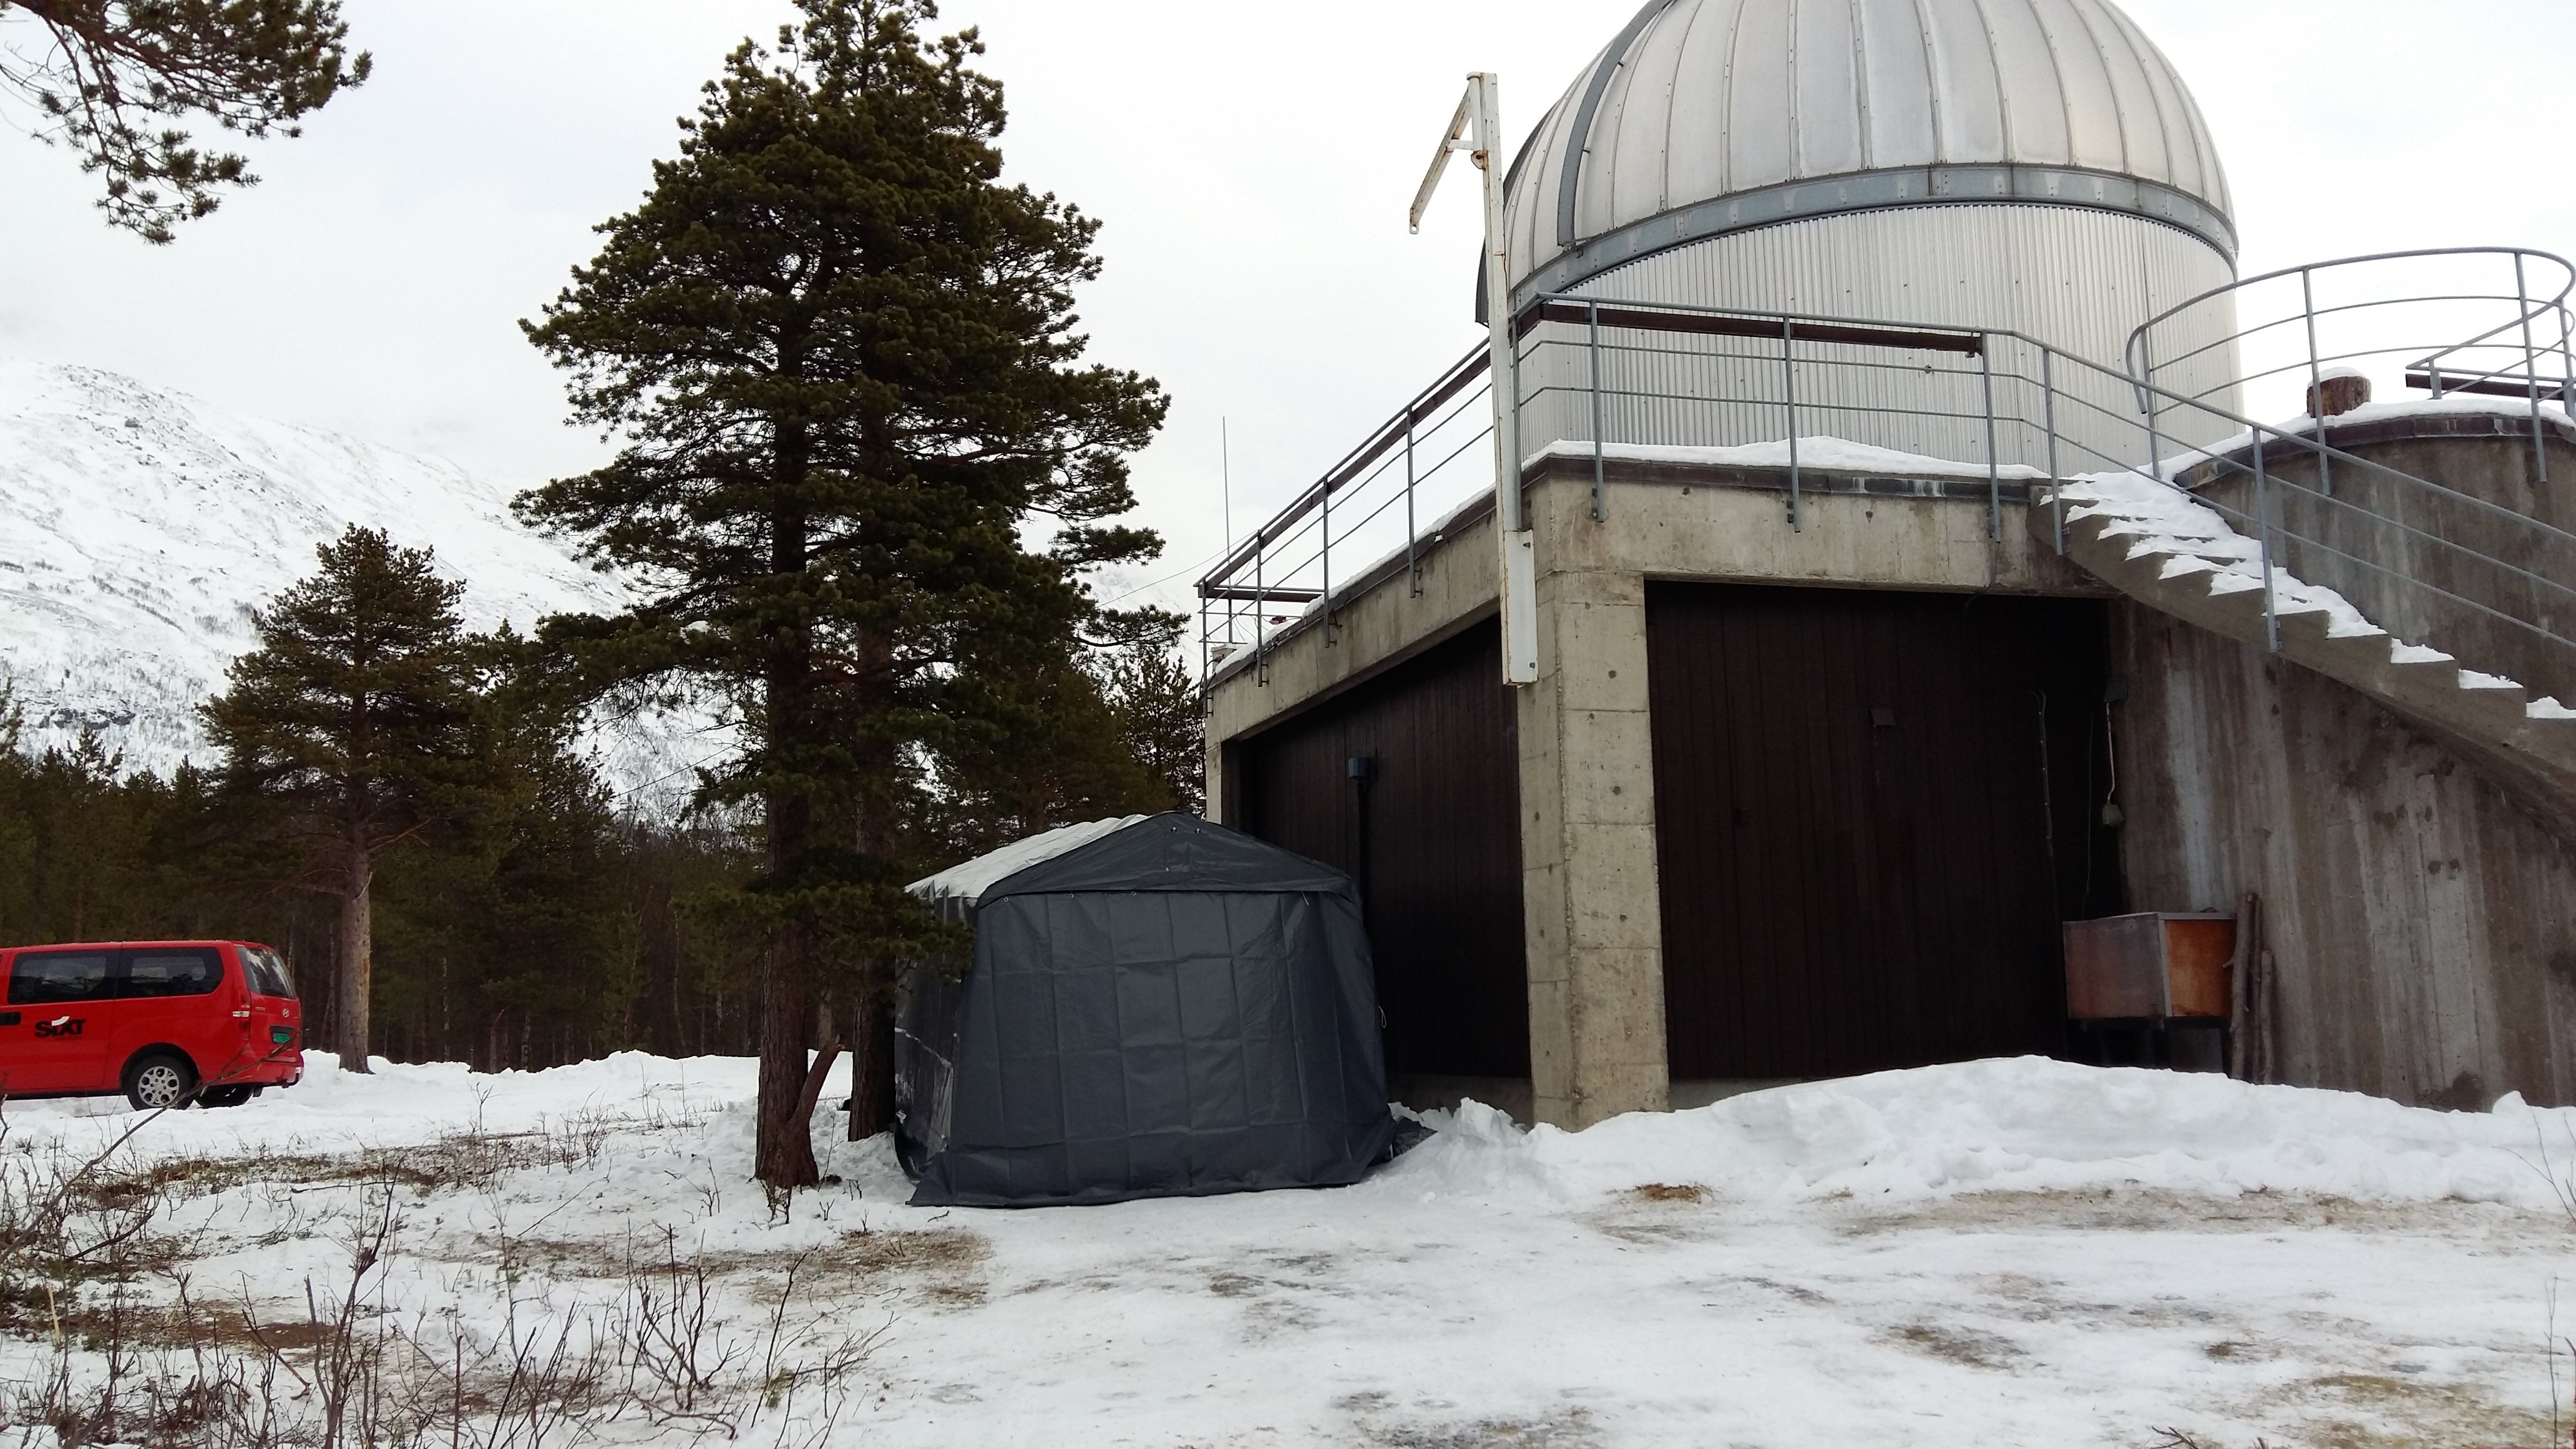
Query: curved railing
point(2446, 320)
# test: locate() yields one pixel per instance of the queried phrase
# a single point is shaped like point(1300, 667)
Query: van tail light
point(242, 1015)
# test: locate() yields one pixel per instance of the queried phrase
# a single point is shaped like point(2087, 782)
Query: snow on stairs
point(2157, 545)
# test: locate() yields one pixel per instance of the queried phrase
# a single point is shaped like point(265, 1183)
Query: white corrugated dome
point(1705, 117)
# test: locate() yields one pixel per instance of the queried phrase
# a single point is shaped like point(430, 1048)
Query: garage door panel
point(1856, 816)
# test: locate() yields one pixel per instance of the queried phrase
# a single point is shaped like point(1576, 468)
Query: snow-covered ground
point(1997, 1253)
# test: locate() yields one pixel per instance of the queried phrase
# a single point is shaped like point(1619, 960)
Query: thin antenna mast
point(1477, 129)
point(1225, 474)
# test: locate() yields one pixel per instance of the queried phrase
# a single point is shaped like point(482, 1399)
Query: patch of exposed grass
point(943, 1264)
point(1571, 1429)
point(1958, 1345)
point(2137, 1209)
point(472, 1158)
point(2386, 1411)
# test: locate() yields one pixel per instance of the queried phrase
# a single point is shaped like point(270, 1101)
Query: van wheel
point(226, 1096)
point(159, 1079)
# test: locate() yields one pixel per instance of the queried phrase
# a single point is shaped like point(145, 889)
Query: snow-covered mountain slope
point(139, 528)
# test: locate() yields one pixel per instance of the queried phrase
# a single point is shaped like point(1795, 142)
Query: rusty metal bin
point(2155, 966)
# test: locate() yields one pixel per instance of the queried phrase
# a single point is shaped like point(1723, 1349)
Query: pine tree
point(358, 715)
point(17, 801)
point(108, 76)
point(1046, 747)
point(841, 357)
point(1161, 719)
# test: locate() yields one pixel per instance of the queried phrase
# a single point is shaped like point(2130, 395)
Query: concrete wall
point(1673, 521)
point(2424, 925)
point(1594, 924)
point(1589, 887)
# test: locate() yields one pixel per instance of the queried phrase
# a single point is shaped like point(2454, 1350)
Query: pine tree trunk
point(783, 1149)
point(871, 1038)
point(357, 959)
point(783, 1146)
point(871, 1029)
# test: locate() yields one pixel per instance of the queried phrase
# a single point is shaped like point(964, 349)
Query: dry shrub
point(80, 1245)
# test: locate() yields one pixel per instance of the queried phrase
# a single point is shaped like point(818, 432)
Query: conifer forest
point(540, 920)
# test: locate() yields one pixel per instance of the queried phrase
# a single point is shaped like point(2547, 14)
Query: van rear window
point(267, 973)
point(192, 971)
point(44, 978)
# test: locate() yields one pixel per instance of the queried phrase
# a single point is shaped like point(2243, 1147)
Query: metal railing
point(2479, 320)
point(1623, 379)
point(1370, 506)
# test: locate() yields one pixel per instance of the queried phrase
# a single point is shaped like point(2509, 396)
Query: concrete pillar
point(1213, 807)
point(1594, 921)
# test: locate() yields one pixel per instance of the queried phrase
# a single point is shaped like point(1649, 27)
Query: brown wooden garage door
point(1872, 809)
point(1431, 839)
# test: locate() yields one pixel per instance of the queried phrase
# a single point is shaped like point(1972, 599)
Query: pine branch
point(111, 76)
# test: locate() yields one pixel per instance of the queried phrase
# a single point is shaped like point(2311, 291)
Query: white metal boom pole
point(1477, 128)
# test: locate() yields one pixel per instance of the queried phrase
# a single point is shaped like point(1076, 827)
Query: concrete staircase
point(2155, 545)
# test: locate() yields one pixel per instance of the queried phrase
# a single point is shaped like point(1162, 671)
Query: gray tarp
point(1170, 1009)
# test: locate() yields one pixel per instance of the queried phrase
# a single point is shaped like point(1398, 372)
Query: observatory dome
point(2032, 170)
point(1704, 117)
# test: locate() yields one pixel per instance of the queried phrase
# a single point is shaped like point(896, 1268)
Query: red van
point(164, 1022)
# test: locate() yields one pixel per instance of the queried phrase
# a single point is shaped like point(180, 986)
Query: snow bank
point(400, 1104)
point(2024, 1124)
point(2020, 1124)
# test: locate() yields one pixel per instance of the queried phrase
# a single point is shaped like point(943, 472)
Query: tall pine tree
point(358, 715)
point(840, 355)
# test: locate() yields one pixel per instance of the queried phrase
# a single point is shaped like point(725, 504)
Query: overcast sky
point(1252, 163)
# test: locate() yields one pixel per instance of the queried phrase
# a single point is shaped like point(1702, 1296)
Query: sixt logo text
point(65, 1026)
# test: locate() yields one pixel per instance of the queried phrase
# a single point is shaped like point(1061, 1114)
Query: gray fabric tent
point(1155, 1007)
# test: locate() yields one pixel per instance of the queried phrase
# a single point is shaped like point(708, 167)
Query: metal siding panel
point(1828, 94)
point(2092, 103)
point(1659, 68)
point(1598, 205)
point(1531, 224)
point(1759, 147)
point(1695, 144)
point(2142, 136)
point(2035, 94)
point(1969, 93)
point(2213, 173)
point(2186, 166)
point(1899, 80)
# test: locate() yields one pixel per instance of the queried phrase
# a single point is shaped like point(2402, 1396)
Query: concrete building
point(1888, 619)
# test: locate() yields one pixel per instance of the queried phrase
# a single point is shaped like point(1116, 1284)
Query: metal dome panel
point(1706, 116)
